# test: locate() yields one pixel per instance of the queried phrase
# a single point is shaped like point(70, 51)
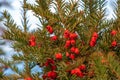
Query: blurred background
point(14, 8)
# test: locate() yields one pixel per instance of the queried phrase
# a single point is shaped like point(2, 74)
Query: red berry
point(50, 31)
point(77, 72)
point(46, 64)
point(72, 56)
point(32, 43)
point(82, 67)
point(67, 46)
point(72, 42)
point(49, 28)
point(67, 42)
point(32, 38)
point(53, 67)
point(66, 34)
point(114, 43)
point(54, 38)
point(93, 39)
point(92, 44)
point(52, 74)
point(76, 51)
point(49, 62)
point(44, 76)
point(72, 49)
point(113, 32)
point(95, 35)
point(67, 54)
point(58, 56)
point(73, 36)
point(80, 74)
point(29, 78)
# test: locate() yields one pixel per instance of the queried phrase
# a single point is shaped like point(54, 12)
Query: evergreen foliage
point(90, 52)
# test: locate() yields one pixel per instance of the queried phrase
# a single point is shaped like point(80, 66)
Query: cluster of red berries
point(71, 37)
point(79, 71)
point(113, 33)
point(71, 56)
point(51, 74)
point(50, 63)
point(32, 41)
point(70, 43)
point(50, 30)
point(74, 50)
point(93, 39)
point(71, 40)
point(54, 38)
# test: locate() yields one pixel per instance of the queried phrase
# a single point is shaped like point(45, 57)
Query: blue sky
point(15, 12)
